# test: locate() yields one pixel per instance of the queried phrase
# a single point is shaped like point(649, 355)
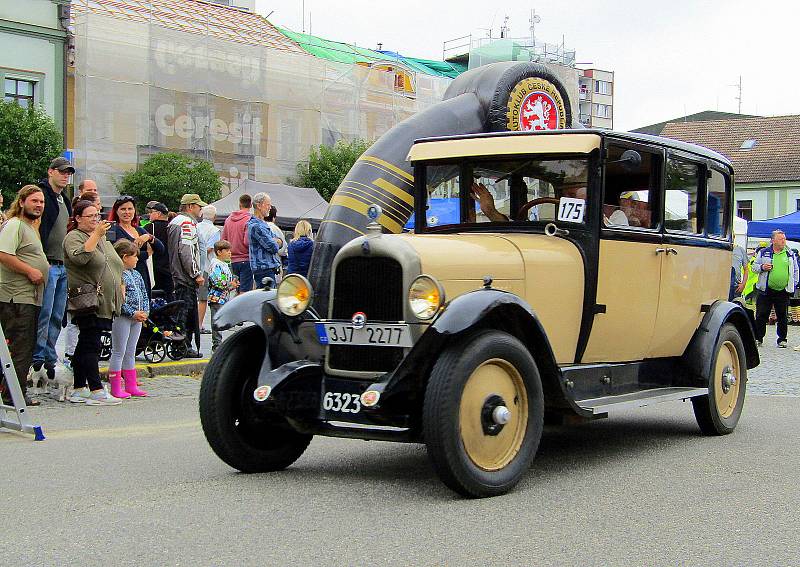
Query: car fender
point(480, 309)
point(699, 355)
point(249, 307)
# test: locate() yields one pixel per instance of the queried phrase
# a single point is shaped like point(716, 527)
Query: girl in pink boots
point(126, 328)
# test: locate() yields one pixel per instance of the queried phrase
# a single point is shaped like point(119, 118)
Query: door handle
point(662, 250)
point(672, 251)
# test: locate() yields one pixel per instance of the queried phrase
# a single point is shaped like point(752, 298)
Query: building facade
point(220, 84)
point(32, 54)
point(596, 95)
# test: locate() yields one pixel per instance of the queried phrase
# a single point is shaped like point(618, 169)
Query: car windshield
point(522, 190)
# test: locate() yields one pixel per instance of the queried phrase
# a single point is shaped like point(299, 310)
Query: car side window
point(717, 204)
point(630, 189)
point(683, 183)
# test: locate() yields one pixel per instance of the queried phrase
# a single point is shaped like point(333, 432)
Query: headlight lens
point(425, 296)
point(294, 295)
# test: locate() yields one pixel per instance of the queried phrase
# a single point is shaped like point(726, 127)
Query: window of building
point(602, 87)
point(19, 90)
point(744, 209)
point(797, 204)
point(601, 110)
point(717, 204)
point(748, 144)
point(683, 182)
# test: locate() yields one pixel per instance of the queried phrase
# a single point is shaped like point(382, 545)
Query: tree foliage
point(327, 166)
point(29, 140)
point(166, 177)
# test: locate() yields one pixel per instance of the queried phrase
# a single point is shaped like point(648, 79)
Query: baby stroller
point(161, 335)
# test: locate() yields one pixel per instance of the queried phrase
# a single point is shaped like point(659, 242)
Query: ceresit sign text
point(184, 126)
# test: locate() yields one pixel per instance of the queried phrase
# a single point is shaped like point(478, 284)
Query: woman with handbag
point(94, 297)
point(124, 214)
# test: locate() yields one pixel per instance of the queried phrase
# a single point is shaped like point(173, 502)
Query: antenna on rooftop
point(738, 97)
point(504, 28)
point(535, 19)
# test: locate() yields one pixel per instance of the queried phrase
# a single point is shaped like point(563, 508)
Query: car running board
point(639, 399)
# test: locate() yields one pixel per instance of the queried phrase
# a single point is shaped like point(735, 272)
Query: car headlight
point(294, 295)
point(425, 297)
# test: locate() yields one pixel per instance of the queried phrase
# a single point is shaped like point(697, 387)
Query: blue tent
point(790, 224)
point(440, 211)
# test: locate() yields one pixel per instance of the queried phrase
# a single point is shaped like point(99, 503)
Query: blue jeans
point(244, 272)
point(51, 316)
point(259, 275)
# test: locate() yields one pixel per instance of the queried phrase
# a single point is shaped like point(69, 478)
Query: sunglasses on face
point(124, 199)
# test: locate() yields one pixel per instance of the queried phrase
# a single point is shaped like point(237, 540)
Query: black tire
point(719, 411)
point(455, 398)
point(248, 440)
point(155, 350)
point(177, 350)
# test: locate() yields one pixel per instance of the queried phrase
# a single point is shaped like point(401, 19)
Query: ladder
point(23, 423)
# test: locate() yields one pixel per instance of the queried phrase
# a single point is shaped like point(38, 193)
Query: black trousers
point(86, 360)
point(188, 316)
point(764, 304)
point(163, 280)
point(19, 326)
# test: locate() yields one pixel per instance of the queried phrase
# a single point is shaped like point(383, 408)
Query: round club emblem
point(359, 320)
point(370, 398)
point(262, 393)
point(535, 104)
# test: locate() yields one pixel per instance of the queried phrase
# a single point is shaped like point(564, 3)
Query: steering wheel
point(522, 213)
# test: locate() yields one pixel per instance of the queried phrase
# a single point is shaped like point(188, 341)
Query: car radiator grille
point(373, 285)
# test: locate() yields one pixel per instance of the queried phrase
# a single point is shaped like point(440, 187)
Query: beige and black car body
point(550, 277)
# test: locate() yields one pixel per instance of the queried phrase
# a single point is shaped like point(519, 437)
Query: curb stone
point(178, 368)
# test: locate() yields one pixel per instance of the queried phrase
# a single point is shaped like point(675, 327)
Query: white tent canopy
point(293, 203)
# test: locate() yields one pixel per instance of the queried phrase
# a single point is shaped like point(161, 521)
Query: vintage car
point(570, 273)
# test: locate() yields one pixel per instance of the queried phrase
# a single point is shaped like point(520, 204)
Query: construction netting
point(253, 110)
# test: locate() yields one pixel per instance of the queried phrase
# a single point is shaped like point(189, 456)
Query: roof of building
point(773, 156)
point(655, 129)
point(193, 16)
point(349, 53)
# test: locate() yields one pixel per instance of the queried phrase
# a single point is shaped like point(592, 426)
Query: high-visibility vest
point(750, 285)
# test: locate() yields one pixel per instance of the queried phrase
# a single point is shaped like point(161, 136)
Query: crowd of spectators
point(63, 263)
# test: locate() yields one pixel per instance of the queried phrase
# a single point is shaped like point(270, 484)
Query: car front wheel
point(483, 414)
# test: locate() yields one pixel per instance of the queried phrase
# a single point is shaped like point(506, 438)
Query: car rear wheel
point(719, 411)
point(244, 436)
point(483, 414)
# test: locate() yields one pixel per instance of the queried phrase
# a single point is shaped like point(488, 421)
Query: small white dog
point(60, 387)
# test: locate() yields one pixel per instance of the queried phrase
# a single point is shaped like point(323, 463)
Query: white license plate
point(372, 334)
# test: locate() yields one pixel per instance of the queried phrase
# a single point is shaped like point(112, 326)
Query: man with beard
point(23, 273)
point(53, 229)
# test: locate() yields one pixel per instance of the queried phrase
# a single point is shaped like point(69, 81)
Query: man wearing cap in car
point(162, 276)
point(52, 230)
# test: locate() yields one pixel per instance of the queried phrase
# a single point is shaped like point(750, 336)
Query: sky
point(669, 58)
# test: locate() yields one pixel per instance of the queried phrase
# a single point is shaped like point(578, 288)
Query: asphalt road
point(136, 484)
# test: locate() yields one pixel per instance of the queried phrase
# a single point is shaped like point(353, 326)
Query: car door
point(629, 269)
point(695, 269)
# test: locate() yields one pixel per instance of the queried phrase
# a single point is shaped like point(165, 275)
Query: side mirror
point(630, 160)
point(268, 283)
